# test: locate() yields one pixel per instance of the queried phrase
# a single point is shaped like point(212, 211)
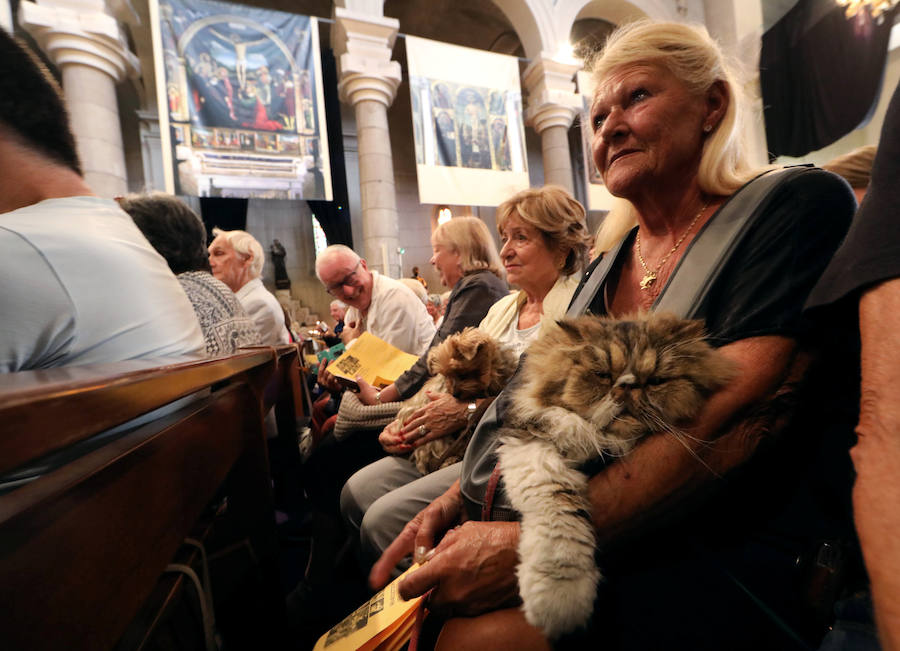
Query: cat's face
point(652, 370)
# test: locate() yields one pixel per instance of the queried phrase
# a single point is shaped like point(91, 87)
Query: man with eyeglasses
point(378, 304)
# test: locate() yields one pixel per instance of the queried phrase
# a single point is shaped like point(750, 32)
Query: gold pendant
point(648, 280)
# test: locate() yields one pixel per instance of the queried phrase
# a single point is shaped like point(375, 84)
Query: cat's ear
point(691, 328)
point(570, 327)
point(667, 325)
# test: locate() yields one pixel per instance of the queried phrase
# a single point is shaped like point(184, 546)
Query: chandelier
point(875, 8)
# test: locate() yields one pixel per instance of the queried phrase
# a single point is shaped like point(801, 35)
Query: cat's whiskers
point(682, 437)
point(679, 344)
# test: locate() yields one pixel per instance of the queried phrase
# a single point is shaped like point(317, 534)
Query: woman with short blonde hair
point(559, 218)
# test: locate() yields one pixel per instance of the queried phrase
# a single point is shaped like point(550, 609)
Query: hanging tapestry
point(467, 124)
point(240, 101)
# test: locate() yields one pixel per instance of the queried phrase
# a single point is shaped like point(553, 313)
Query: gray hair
point(246, 245)
point(332, 252)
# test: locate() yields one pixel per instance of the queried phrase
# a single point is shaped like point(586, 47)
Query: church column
point(88, 46)
point(368, 81)
point(552, 106)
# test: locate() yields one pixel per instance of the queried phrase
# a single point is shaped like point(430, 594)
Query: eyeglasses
point(350, 280)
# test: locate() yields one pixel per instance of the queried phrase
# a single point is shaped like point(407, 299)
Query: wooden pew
point(83, 545)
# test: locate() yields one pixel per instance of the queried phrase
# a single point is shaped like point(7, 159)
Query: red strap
point(420, 621)
point(486, 510)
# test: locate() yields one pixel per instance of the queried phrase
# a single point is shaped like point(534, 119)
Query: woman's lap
point(372, 482)
point(394, 493)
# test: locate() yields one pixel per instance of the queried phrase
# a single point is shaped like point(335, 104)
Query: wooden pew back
point(82, 546)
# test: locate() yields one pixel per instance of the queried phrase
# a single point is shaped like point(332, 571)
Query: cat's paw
point(558, 604)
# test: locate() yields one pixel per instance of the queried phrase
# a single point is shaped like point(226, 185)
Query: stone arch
point(612, 11)
point(533, 22)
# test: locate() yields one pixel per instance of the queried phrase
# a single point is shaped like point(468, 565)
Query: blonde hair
point(469, 237)
point(559, 218)
point(246, 245)
point(855, 167)
point(697, 61)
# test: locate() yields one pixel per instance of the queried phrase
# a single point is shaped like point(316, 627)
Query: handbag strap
point(705, 256)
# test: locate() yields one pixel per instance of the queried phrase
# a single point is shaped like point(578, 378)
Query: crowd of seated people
point(721, 537)
point(731, 529)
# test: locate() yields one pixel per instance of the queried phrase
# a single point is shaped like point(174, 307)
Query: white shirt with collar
point(397, 316)
point(266, 312)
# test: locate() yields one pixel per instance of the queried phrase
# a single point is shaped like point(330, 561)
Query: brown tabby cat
point(593, 387)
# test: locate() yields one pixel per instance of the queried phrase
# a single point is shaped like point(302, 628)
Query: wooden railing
point(90, 520)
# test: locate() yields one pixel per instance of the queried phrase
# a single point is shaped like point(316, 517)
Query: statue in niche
point(277, 253)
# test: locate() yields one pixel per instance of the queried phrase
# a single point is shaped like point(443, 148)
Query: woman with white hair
point(237, 259)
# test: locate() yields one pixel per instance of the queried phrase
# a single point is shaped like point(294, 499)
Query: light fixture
point(875, 8)
point(566, 52)
point(444, 215)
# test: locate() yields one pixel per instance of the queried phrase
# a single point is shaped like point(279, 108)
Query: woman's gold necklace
point(651, 276)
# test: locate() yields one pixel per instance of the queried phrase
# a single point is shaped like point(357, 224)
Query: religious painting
point(250, 81)
point(467, 124)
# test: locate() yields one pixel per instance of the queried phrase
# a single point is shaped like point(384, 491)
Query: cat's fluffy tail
point(557, 573)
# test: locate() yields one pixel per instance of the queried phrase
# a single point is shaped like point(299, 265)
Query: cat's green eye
point(656, 381)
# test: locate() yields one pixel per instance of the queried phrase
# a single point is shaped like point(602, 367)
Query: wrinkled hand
point(392, 440)
point(472, 570)
point(326, 379)
point(366, 393)
point(419, 534)
point(443, 415)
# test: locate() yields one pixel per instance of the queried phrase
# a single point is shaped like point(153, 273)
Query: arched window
point(319, 238)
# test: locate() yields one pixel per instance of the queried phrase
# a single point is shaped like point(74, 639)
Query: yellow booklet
point(383, 623)
point(373, 359)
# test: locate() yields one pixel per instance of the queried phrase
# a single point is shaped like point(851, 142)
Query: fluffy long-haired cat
point(592, 387)
point(468, 365)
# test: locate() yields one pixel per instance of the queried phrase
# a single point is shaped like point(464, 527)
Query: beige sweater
point(554, 306)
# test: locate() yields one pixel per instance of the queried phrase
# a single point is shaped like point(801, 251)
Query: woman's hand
point(367, 392)
point(443, 415)
point(472, 570)
point(326, 379)
point(419, 534)
point(392, 440)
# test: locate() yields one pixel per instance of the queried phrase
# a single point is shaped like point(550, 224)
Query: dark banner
point(243, 101)
point(821, 74)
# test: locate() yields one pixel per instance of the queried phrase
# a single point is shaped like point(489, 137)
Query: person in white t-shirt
point(378, 304)
point(81, 285)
